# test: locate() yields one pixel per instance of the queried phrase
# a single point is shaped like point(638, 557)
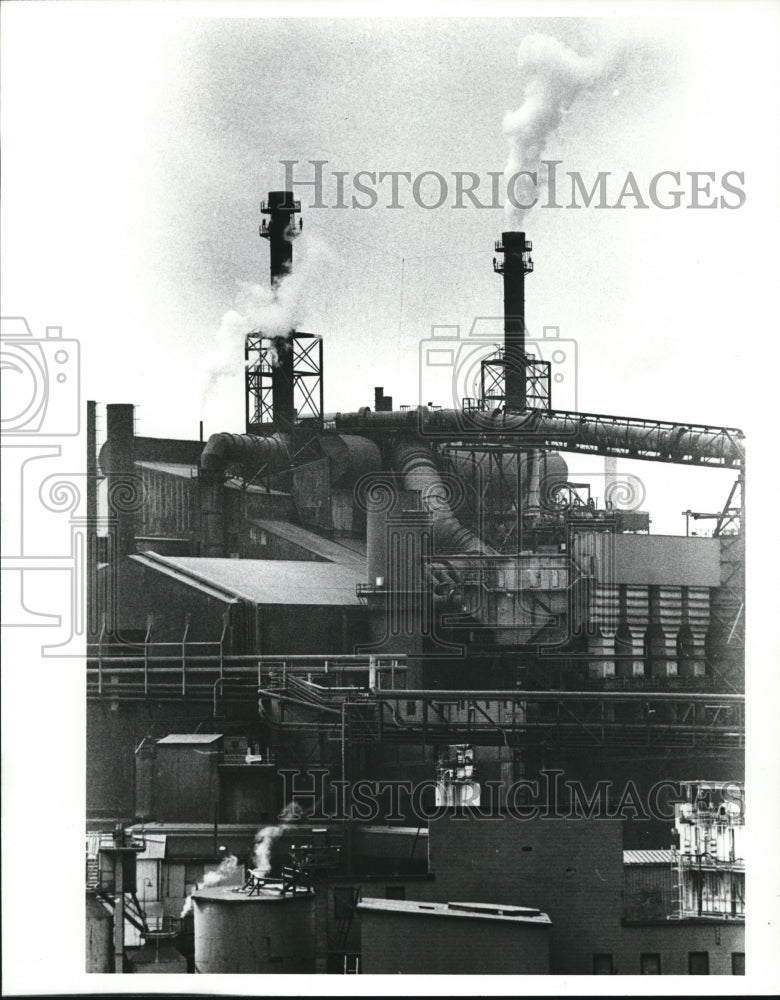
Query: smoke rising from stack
point(226, 871)
point(266, 837)
point(553, 77)
point(275, 311)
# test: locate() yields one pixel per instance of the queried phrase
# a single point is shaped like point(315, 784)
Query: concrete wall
point(111, 740)
point(673, 941)
point(667, 560)
point(408, 942)
point(572, 870)
point(186, 782)
point(144, 592)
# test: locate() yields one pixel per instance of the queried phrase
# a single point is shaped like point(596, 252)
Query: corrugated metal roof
point(273, 581)
point(659, 856)
point(319, 546)
point(191, 738)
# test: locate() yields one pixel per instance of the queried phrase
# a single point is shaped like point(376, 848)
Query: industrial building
point(347, 670)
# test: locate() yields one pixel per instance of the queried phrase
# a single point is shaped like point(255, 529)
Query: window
point(738, 963)
point(650, 964)
point(395, 892)
point(698, 963)
point(602, 965)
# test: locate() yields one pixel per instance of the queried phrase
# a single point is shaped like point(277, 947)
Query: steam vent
point(347, 669)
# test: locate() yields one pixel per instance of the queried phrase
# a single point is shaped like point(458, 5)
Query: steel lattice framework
point(260, 357)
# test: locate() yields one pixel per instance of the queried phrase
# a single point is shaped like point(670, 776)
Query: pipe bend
point(249, 450)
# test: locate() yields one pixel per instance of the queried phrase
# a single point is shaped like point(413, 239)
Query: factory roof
point(191, 738)
point(659, 856)
point(162, 564)
point(184, 471)
point(316, 544)
point(267, 581)
point(468, 911)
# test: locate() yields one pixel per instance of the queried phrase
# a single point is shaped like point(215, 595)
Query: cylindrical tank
point(266, 933)
point(99, 938)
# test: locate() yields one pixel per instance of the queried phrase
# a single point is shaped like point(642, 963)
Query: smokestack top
point(281, 201)
point(512, 237)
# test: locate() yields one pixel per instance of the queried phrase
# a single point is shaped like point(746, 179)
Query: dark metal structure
point(284, 370)
point(516, 264)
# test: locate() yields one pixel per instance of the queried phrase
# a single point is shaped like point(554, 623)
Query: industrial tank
point(263, 933)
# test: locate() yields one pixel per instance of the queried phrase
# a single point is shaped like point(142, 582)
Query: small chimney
point(382, 403)
point(123, 482)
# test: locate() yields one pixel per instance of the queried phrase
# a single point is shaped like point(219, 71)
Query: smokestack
point(516, 264)
point(382, 403)
point(280, 230)
point(118, 459)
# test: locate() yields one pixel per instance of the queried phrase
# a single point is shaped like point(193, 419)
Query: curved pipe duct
point(247, 450)
point(350, 456)
point(539, 471)
point(413, 459)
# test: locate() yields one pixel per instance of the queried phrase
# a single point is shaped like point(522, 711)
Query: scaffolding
point(707, 860)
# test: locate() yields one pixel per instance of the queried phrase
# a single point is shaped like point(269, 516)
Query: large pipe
point(516, 472)
point(221, 451)
point(597, 434)
point(413, 459)
point(247, 450)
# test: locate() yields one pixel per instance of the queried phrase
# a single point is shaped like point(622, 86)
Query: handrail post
point(100, 655)
point(147, 641)
point(184, 655)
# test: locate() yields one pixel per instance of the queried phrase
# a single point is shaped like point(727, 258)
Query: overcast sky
point(138, 146)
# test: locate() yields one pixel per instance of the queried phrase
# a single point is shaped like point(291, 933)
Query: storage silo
point(266, 932)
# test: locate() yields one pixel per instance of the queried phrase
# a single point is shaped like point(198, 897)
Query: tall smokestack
point(516, 264)
point(279, 230)
point(118, 459)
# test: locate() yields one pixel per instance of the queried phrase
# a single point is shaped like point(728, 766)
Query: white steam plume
point(224, 873)
point(553, 76)
point(266, 837)
point(276, 312)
